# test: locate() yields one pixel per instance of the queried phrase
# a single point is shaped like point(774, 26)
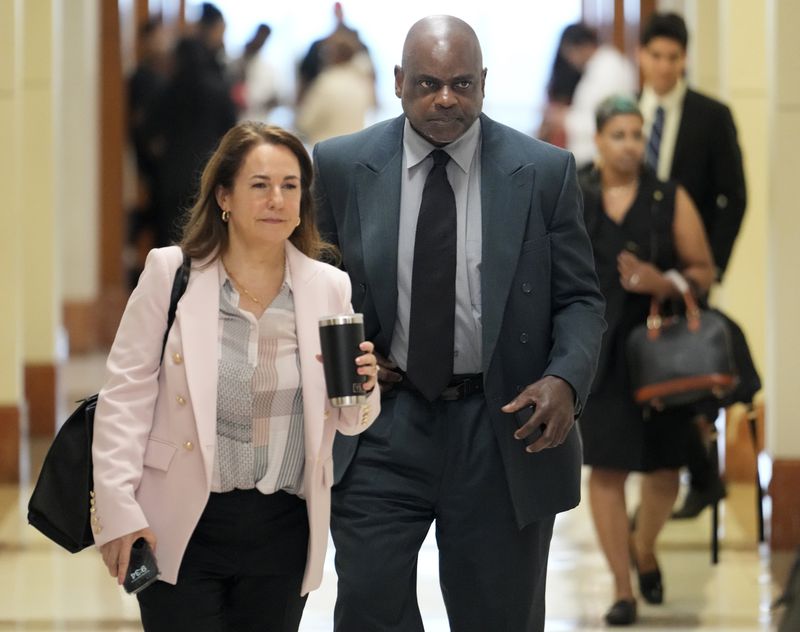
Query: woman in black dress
point(640, 228)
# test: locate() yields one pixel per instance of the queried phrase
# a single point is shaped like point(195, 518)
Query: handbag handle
point(655, 321)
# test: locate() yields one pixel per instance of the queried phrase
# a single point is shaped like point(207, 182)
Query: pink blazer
point(155, 427)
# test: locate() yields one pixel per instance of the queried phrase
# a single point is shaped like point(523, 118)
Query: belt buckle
point(452, 393)
point(455, 392)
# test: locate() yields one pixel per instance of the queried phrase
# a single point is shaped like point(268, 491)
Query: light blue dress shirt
point(464, 175)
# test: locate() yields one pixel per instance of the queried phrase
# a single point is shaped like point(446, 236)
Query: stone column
point(11, 320)
point(39, 223)
point(783, 260)
point(78, 143)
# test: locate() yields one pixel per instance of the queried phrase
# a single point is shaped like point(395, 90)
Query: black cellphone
point(523, 415)
point(142, 569)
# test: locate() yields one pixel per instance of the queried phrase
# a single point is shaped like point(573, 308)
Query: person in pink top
point(219, 455)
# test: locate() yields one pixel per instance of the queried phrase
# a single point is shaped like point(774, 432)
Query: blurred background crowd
point(319, 76)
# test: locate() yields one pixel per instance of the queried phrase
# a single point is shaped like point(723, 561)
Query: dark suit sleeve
point(731, 192)
point(577, 303)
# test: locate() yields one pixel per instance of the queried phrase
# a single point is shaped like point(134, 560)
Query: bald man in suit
point(489, 449)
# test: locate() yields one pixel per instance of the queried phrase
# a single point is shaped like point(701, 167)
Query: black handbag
point(749, 380)
point(61, 504)
point(681, 359)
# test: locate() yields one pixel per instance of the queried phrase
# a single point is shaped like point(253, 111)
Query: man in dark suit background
point(522, 326)
point(692, 139)
point(698, 145)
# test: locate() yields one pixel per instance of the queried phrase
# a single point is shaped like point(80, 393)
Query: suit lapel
point(378, 179)
point(683, 140)
point(198, 315)
point(506, 185)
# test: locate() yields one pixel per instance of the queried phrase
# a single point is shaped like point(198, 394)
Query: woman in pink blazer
point(219, 456)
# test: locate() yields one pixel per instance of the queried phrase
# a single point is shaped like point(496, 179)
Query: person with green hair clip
point(643, 231)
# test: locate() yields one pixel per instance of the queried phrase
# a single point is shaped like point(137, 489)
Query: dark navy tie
point(433, 285)
point(654, 142)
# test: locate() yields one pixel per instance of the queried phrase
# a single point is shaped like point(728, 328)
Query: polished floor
point(45, 588)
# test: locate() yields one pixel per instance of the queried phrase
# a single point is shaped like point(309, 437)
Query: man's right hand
point(387, 373)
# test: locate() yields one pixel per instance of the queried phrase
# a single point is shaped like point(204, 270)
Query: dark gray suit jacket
point(542, 311)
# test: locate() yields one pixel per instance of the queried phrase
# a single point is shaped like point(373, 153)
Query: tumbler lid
point(342, 319)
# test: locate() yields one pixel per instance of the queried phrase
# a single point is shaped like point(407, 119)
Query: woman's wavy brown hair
point(205, 234)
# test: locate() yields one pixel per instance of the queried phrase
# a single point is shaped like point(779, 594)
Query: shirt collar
point(670, 101)
point(461, 150)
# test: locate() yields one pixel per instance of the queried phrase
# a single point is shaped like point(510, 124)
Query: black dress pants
point(242, 569)
point(421, 462)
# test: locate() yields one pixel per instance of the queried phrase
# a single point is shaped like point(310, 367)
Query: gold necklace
point(241, 288)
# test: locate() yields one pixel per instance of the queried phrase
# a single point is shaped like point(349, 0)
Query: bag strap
point(179, 284)
point(654, 319)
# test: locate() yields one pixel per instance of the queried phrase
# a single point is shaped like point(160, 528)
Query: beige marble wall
point(77, 133)
point(39, 222)
point(783, 256)
point(744, 87)
point(705, 45)
point(11, 321)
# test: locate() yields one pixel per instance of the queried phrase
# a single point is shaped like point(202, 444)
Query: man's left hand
point(554, 408)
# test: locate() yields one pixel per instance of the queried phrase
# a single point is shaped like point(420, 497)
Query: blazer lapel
point(309, 305)
point(506, 186)
point(198, 316)
point(378, 179)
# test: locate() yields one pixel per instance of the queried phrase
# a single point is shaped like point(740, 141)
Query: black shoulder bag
point(62, 501)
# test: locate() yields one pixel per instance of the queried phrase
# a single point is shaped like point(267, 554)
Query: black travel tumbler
point(339, 337)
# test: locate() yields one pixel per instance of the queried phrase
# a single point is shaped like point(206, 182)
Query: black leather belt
point(460, 386)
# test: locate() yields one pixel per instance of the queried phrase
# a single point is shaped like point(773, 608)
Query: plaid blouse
point(259, 396)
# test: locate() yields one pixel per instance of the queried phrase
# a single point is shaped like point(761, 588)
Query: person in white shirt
point(606, 71)
point(340, 98)
point(257, 82)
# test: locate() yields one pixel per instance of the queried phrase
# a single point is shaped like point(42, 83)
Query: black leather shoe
point(651, 587)
point(698, 499)
point(622, 613)
point(142, 568)
point(650, 584)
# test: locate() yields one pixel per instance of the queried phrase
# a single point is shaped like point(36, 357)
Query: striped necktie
point(654, 142)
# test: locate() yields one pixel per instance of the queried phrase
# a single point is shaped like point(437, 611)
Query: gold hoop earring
point(226, 215)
